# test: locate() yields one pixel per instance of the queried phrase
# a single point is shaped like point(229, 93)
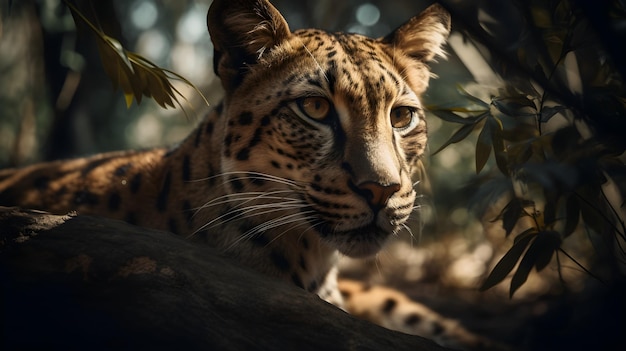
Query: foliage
point(133, 73)
point(555, 129)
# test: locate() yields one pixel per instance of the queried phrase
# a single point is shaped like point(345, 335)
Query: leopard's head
point(324, 132)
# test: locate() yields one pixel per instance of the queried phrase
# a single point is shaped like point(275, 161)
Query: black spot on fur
point(41, 183)
point(220, 108)
point(257, 181)
point(135, 183)
point(297, 281)
point(331, 75)
point(243, 154)
point(85, 197)
point(437, 328)
point(121, 170)
point(196, 142)
point(265, 121)
point(312, 287)
point(209, 128)
point(314, 82)
point(275, 164)
point(256, 138)
point(280, 261)
point(412, 319)
point(172, 225)
point(114, 201)
point(186, 168)
point(228, 140)
point(188, 212)
point(259, 240)
point(211, 177)
point(345, 294)
point(245, 118)
point(95, 164)
point(389, 305)
point(164, 193)
point(237, 184)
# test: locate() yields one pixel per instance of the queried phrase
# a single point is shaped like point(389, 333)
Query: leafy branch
point(558, 175)
point(134, 74)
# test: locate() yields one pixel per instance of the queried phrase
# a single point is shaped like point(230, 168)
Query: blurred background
point(530, 100)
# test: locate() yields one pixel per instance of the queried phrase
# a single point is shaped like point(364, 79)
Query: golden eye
point(401, 117)
point(315, 107)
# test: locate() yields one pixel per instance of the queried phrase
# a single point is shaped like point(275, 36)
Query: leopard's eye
point(402, 117)
point(314, 107)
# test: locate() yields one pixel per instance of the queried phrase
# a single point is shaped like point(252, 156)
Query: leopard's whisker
point(244, 211)
point(246, 197)
point(410, 231)
point(270, 224)
point(276, 222)
point(299, 223)
point(321, 70)
point(241, 175)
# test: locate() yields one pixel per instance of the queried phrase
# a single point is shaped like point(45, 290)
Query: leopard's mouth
point(360, 242)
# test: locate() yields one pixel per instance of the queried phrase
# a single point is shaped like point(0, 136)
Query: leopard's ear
point(241, 32)
point(422, 37)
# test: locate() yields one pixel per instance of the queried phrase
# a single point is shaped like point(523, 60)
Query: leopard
point(314, 152)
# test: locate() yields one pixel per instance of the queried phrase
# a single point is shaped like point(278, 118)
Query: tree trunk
point(79, 282)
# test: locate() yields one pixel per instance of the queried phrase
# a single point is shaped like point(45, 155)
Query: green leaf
point(511, 212)
point(499, 150)
point(547, 243)
point(511, 215)
point(459, 135)
point(515, 106)
point(523, 270)
point(483, 147)
point(538, 255)
point(507, 262)
point(449, 116)
point(134, 74)
point(532, 231)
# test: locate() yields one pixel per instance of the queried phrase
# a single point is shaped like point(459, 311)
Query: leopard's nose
point(377, 194)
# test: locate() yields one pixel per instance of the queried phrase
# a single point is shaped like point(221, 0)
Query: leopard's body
point(313, 152)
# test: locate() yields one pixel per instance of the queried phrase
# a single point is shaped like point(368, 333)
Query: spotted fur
point(314, 150)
